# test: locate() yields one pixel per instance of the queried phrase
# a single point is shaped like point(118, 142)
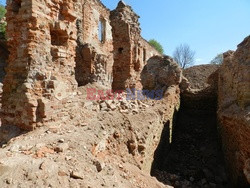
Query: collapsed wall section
point(40, 72)
point(233, 112)
point(94, 60)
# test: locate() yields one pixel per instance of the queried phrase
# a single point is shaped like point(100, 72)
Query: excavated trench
point(194, 158)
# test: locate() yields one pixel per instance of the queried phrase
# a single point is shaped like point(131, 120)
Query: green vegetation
point(217, 60)
point(156, 45)
point(2, 23)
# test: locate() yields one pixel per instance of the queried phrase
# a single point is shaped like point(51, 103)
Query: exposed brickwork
point(130, 50)
point(3, 58)
point(40, 73)
point(54, 44)
point(94, 60)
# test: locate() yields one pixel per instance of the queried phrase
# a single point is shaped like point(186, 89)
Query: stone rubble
point(57, 50)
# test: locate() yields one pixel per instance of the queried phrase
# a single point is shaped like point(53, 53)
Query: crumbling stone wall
point(94, 59)
point(233, 112)
point(148, 51)
point(104, 38)
point(55, 43)
point(130, 50)
point(40, 73)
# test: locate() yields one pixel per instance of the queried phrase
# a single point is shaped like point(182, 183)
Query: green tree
point(217, 60)
point(2, 22)
point(156, 45)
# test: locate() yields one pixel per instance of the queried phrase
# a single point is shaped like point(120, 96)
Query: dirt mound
point(198, 76)
point(110, 147)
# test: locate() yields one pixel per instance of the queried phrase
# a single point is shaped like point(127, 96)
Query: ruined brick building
point(110, 48)
point(56, 46)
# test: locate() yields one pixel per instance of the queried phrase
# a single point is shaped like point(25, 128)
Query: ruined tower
point(127, 48)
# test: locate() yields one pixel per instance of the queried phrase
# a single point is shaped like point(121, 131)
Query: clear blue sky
point(208, 26)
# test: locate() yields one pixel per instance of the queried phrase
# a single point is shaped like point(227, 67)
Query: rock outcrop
point(234, 111)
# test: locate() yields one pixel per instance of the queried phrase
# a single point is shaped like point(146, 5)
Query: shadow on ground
point(7, 132)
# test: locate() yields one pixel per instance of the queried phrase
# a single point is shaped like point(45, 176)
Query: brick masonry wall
point(40, 72)
point(53, 44)
point(3, 58)
point(131, 51)
point(94, 61)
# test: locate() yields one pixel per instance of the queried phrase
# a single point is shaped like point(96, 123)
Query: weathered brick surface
point(131, 51)
point(55, 46)
point(94, 59)
point(3, 58)
point(233, 112)
point(40, 73)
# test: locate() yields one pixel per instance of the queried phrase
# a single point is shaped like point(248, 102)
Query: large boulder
point(161, 72)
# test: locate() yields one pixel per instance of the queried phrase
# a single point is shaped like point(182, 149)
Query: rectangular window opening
point(102, 30)
point(144, 55)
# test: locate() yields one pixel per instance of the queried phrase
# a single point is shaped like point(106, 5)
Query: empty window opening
point(120, 50)
point(135, 52)
point(139, 51)
point(101, 30)
point(16, 5)
point(58, 37)
point(60, 14)
point(144, 55)
point(137, 65)
point(105, 67)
